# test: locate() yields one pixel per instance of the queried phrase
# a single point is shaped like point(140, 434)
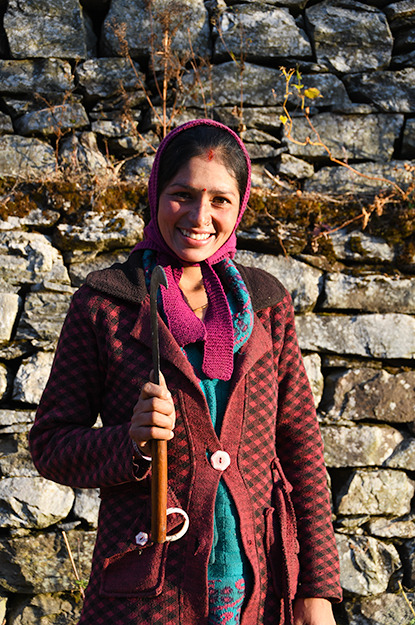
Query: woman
point(245, 455)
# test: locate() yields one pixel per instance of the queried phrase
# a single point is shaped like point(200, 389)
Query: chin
point(194, 256)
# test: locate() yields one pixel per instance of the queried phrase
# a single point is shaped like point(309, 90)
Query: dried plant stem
point(406, 598)
point(166, 49)
point(75, 570)
point(288, 122)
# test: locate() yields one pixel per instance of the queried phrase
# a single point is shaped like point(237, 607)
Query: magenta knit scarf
point(216, 331)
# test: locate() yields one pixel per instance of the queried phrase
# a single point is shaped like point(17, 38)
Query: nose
point(199, 214)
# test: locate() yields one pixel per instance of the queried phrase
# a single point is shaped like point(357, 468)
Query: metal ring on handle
point(185, 526)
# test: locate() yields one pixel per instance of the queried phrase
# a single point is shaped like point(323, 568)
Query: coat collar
point(126, 281)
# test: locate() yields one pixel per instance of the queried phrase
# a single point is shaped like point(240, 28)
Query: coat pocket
point(281, 541)
point(130, 570)
point(135, 573)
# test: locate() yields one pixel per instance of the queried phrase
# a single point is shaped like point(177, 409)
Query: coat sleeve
point(300, 449)
point(65, 446)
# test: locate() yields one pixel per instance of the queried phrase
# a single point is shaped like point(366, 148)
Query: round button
point(141, 539)
point(220, 460)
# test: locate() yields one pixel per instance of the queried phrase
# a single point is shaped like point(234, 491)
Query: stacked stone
point(75, 84)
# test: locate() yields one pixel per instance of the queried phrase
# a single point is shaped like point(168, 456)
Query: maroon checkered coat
point(276, 476)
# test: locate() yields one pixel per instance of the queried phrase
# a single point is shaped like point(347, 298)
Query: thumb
point(162, 378)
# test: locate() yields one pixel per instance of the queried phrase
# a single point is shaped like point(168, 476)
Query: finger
point(155, 390)
point(143, 433)
point(162, 379)
point(154, 405)
point(153, 418)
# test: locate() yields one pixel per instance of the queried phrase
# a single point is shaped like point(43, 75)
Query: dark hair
point(196, 141)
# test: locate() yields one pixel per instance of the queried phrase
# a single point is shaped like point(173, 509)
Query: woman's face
point(198, 209)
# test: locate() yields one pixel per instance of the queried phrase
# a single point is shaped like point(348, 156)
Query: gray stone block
point(107, 77)
point(37, 217)
point(43, 316)
point(9, 307)
point(302, 281)
point(48, 609)
point(401, 14)
point(391, 92)
point(386, 336)
point(401, 527)
point(5, 381)
point(41, 76)
point(33, 502)
point(294, 167)
point(357, 246)
point(340, 181)
point(14, 421)
point(47, 29)
point(6, 126)
point(292, 4)
point(260, 117)
point(376, 492)
point(365, 393)
point(359, 446)
point(79, 154)
point(347, 137)
point(53, 120)
point(312, 364)
point(259, 32)
point(366, 564)
point(370, 293)
point(78, 271)
point(15, 458)
point(408, 143)
point(31, 377)
point(129, 25)
point(101, 232)
point(384, 609)
point(22, 157)
point(350, 36)
point(39, 563)
point(27, 257)
point(138, 169)
point(261, 86)
point(86, 506)
point(403, 456)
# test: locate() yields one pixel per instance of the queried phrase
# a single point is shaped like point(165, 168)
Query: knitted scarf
point(216, 331)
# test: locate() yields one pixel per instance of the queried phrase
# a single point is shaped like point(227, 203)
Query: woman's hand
point(313, 611)
point(153, 416)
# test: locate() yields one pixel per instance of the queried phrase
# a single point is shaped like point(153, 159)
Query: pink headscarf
point(217, 329)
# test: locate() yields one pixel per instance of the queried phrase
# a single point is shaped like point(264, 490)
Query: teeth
point(197, 237)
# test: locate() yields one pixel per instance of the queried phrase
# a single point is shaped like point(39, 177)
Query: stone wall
point(80, 115)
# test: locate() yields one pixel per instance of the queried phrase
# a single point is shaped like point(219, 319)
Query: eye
point(181, 195)
point(221, 201)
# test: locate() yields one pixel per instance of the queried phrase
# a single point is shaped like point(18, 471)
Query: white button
point(141, 539)
point(220, 460)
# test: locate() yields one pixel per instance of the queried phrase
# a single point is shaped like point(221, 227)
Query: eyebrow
point(188, 187)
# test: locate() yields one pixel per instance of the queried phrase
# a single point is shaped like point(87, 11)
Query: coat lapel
point(169, 349)
point(258, 344)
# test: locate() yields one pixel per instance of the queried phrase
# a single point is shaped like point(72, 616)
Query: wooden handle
point(159, 491)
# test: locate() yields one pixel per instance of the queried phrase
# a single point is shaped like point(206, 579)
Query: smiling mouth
point(196, 237)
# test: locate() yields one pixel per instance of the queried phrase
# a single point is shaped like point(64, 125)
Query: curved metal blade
point(158, 277)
